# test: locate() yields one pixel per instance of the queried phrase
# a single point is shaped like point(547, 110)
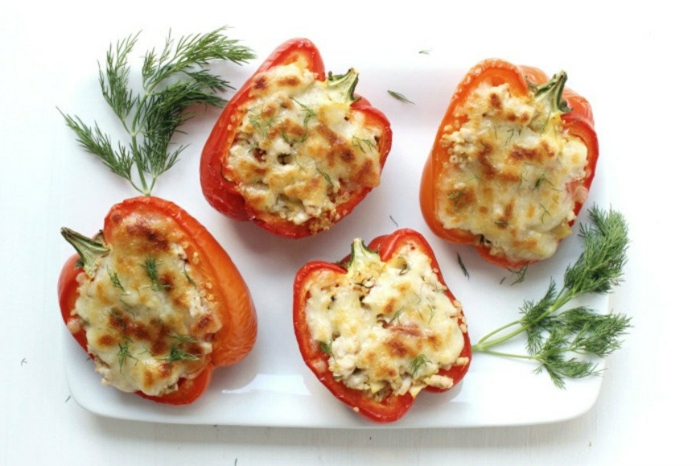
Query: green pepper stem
point(343, 86)
point(358, 247)
point(554, 90)
point(89, 249)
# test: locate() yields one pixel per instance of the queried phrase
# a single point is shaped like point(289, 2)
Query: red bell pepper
point(232, 190)
point(569, 114)
point(402, 268)
point(132, 235)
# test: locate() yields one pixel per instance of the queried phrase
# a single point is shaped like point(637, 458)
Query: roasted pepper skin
point(578, 122)
point(222, 194)
point(391, 408)
point(237, 312)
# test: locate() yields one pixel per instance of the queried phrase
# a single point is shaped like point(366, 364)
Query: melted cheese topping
point(300, 150)
point(148, 325)
point(388, 326)
point(510, 174)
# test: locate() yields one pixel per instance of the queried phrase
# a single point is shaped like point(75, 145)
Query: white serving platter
point(272, 386)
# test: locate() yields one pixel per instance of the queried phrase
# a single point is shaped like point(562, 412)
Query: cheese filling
point(148, 319)
point(388, 327)
point(300, 151)
point(514, 174)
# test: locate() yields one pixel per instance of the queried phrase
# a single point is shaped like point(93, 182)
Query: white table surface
point(641, 72)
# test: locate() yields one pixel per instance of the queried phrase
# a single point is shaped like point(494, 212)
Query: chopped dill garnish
point(542, 179)
point(364, 143)
point(114, 278)
point(519, 275)
point(150, 267)
point(259, 123)
point(396, 315)
point(187, 276)
point(545, 212)
point(326, 348)
point(176, 354)
point(183, 338)
point(326, 176)
point(418, 362)
point(309, 113)
point(400, 97)
point(124, 352)
point(462, 266)
point(456, 196)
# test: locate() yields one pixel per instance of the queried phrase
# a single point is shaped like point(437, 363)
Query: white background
point(638, 67)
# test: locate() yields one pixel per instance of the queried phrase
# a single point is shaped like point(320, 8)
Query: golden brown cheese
point(148, 318)
point(300, 150)
point(509, 174)
point(389, 327)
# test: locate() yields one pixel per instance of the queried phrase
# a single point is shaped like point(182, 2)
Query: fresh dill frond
point(563, 341)
point(599, 268)
point(400, 97)
point(173, 81)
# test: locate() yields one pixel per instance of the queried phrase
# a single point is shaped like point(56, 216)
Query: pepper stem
point(344, 85)
point(553, 90)
point(89, 249)
point(358, 248)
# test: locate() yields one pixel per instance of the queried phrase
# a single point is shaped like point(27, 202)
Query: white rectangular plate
point(272, 386)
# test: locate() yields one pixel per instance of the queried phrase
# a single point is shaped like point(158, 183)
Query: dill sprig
point(563, 342)
point(173, 81)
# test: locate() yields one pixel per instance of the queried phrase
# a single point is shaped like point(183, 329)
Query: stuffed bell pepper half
point(156, 301)
point(511, 165)
point(380, 326)
point(294, 150)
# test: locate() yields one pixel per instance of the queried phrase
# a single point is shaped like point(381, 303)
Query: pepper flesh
point(217, 275)
point(225, 192)
point(394, 405)
point(577, 120)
